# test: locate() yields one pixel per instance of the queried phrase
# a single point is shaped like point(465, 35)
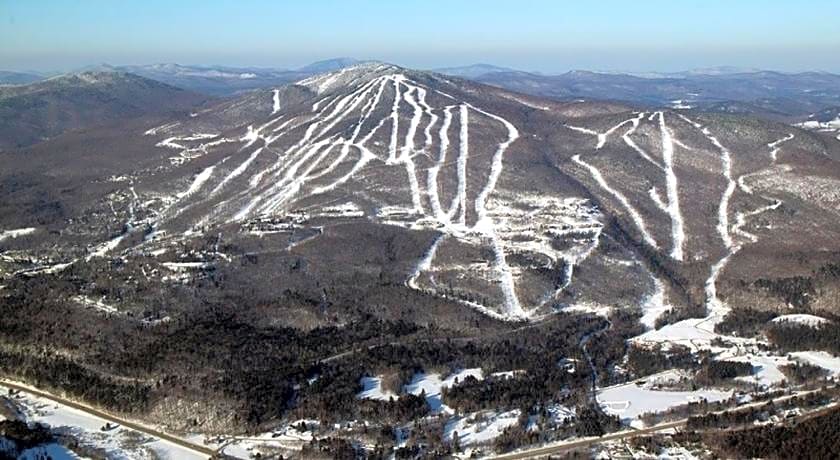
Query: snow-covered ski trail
point(408, 150)
point(634, 214)
point(276, 101)
point(197, 182)
point(484, 223)
point(460, 200)
point(237, 171)
point(602, 137)
point(334, 138)
point(425, 263)
point(632, 144)
point(723, 208)
point(673, 205)
point(434, 171)
point(775, 146)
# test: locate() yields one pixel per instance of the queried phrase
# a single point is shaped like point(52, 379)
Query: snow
point(118, 443)
point(507, 374)
point(680, 104)
point(199, 180)
point(684, 332)
point(459, 377)
point(286, 437)
point(425, 263)
point(372, 389)
point(801, 318)
point(181, 266)
point(723, 208)
point(629, 141)
point(629, 401)
point(634, 214)
point(479, 427)
point(432, 385)
point(276, 101)
point(524, 102)
point(432, 182)
point(463, 153)
point(819, 358)
point(103, 249)
point(775, 146)
point(237, 171)
point(673, 208)
point(16, 233)
point(765, 369)
point(52, 451)
point(96, 304)
point(654, 305)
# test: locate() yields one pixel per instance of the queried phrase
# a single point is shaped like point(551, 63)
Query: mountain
point(17, 78)
point(472, 71)
point(223, 81)
point(779, 95)
point(44, 109)
point(415, 252)
point(329, 65)
point(215, 80)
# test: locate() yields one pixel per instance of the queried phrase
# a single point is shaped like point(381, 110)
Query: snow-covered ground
point(432, 384)
point(654, 305)
point(372, 389)
point(765, 369)
point(8, 234)
point(288, 437)
point(801, 318)
point(119, 443)
point(629, 401)
point(51, 451)
point(819, 358)
point(479, 427)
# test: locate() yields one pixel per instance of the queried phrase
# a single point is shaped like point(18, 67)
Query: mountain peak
point(328, 65)
point(362, 71)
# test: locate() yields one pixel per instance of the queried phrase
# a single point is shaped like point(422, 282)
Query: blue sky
point(550, 36)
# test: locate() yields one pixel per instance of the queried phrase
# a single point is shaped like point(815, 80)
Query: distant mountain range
point(773, 95)
point(38, 111)
point(473, 70)
point(107, 93)
point(789, 97)
point(18, 78)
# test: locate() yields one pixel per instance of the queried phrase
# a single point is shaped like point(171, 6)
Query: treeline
point(737, 417)
point(790, 336)
point(815, 438)
point(744, 322)
point(528, 389)
point(46, 369)
point(608, 348)
point(23, 436)
point(713, 372)
point(535, 352)
point(795, 290)
point(643, 360)
point(799, 373)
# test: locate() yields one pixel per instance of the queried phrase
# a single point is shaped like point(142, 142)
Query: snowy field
point(479, 427)
point(118, 443)
point(630, 401)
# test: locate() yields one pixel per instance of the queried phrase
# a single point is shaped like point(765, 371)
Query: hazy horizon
point(542, 36)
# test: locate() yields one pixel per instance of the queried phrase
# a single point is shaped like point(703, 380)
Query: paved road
point(112, 418)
